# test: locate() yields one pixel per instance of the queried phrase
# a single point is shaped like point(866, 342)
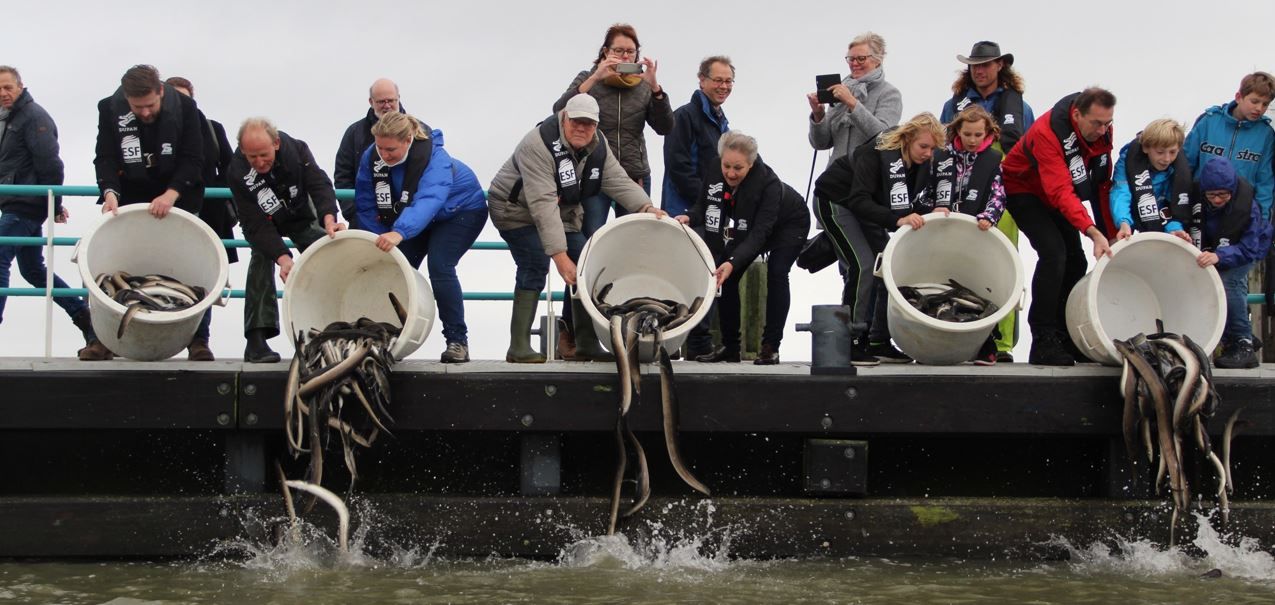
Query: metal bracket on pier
point(831, 335)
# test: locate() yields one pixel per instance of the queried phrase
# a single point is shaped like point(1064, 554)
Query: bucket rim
point(914, 314)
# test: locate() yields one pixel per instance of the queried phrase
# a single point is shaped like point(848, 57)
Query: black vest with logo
point(572, 189)
point(904, 197)
point(128, 135)
point(1086, 179)
point(387, 207)
point(972, 197)
point(1147, 212)
point(279, 193)
point(1235, 218)
point(1008, 112)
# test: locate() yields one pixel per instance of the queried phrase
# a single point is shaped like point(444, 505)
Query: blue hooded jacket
point(1247, 144)
point(447, 188)
point(1122, 197)
point(689, 151)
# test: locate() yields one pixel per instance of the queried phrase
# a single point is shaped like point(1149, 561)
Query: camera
point(628, 68)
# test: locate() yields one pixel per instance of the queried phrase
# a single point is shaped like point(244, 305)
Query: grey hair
point(735, 140)
point(5, 69)
point(875, 43)
point(261, 123)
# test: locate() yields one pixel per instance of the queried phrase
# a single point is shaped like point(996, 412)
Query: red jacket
point(1036, 166)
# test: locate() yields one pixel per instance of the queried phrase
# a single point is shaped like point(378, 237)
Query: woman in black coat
point(743, 211)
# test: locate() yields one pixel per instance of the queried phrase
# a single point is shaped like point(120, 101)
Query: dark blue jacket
point(29, 156)
point(447, 188)
point(1252, 246)
point(690, 150)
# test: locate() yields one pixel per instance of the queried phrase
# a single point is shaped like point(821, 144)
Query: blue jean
point(30, 262)
point(443, 243)
point(1235, 283)
point(530, 258)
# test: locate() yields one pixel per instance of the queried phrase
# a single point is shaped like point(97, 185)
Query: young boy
point(1240, 132)
point(1152, 187)
point(1234, 236)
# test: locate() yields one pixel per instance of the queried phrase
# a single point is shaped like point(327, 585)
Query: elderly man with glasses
point(382, 97)
point(865, 104)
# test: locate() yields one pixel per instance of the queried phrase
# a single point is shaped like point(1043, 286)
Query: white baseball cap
point(582, 106)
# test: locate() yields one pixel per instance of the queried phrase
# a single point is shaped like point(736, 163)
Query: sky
point(486, 72)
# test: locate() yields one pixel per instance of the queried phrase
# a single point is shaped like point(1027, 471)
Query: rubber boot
point(587, 346)
point(524, 313)
point(93, 349)
point(257, 349)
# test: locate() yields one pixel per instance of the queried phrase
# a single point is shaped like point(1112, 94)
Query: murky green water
point(610, 570)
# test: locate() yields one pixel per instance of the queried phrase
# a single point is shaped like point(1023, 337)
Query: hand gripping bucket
point(1149, 276)
point(347, 277)
point(180, 246)
point(948, 247)
point(642, 255)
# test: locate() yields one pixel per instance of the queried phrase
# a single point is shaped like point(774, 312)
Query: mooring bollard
point(831, 334)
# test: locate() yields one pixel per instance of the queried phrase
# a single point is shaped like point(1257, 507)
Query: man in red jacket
point(1058, 166)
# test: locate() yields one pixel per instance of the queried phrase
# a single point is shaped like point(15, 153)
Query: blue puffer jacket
point(1122, 197)
point(448, 187)
point(690, 150)
point(1248, 145)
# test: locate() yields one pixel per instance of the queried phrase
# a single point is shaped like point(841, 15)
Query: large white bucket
point(180, 246)
point(347, 277)
point(948, 247)
point(641, 255)
point(1149, 276)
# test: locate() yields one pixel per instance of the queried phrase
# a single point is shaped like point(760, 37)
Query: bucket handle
point(876, 264)
point(224, 296)
point(1081, 331)
point(1022, 300)
point(75, 252)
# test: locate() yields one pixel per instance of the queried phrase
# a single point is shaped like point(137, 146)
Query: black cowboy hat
point(985, 51)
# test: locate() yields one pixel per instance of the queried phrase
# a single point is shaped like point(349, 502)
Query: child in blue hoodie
point(1240, 131)
point(1152, 188)
point(1234, 236)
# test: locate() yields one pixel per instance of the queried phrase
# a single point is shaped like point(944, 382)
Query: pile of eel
point(339, 380)
point(1169, 395)
point(631, 320)
point(147, 293)
point(948, 302)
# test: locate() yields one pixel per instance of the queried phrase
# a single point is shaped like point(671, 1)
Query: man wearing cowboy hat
point(990, 81)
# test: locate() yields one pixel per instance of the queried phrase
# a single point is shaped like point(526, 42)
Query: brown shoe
point(198, 350)
point(566, 343)
point(768, 356)
point(95, 351)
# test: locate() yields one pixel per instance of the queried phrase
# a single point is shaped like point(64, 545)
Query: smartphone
point(631, 68)
point(821, 86)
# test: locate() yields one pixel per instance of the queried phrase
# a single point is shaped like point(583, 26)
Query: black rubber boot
point(258, 350)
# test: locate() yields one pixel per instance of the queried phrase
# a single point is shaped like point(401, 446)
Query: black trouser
point(1062, 261)
point(779, 264)
point(857, 246)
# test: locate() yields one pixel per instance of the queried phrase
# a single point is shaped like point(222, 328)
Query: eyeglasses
point(722, 81)
point(385, 101)
point(1220, 196)
point(623, 52)
point(858, 59)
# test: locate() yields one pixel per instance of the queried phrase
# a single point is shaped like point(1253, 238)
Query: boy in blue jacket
point(1240, 131)
point(1234, 236)
point(1152, 189)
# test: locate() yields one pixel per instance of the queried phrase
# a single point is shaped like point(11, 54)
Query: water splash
point(1235, 556)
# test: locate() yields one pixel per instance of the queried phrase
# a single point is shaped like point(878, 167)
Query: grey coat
point(843, 131)
point(623, 115)
point(537, 202)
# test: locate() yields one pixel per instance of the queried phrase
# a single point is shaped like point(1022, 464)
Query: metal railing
point(50, 242)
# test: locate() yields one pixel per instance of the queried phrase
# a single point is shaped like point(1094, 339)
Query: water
point(308, 569)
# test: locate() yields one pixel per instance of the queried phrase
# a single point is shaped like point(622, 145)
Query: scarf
point(623, 80)
point(859, 88)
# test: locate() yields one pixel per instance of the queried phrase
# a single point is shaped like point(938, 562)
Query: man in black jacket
point(150, 150)
point(29, 156)
point(219, 214)
point(280, 191)
point(382, 96)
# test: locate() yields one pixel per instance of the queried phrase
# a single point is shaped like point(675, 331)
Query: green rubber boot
point(587, 346)
point(524, 313)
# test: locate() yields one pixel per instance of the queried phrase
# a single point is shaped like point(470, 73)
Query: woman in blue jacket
point(420, 199)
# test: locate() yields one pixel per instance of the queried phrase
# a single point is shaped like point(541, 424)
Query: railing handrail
point(216, 193)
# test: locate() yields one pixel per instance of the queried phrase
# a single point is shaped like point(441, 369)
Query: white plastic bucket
point(948, 247)
point(180, 246)
point(1149, 276)
point(641, 255)
point(348, 277)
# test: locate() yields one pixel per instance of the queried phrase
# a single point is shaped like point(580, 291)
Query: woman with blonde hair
point(885, 186)
point(423, 201)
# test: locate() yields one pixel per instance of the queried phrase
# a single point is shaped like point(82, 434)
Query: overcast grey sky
point(486, 72)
